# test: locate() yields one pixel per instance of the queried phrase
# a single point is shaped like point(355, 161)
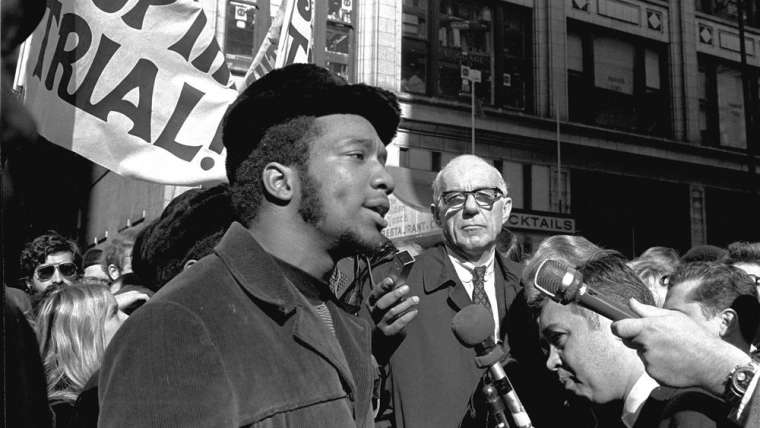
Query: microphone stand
point(496, 404)
point(489, 355)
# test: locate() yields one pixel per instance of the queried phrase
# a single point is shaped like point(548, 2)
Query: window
point(240, 20)
point(446, 157)
point(415, 47)
point(339, 43)
point(514, 61)
point(439, 43)
point(561, 205)
point(465, 35)
point(410, 157)
point(727, 9)
point(617, 81)
point(543, 188)
point(730, 107)
point(540, 188)
point(513, 175)
point(721, 102)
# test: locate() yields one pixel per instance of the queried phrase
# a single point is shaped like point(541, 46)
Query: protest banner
point(288, 41)
point(137, 86)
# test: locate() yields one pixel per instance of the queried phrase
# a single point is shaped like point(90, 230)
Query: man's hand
point(676, 350)
point(124, 300)
point(391, 308)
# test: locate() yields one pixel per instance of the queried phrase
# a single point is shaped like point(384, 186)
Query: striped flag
point(289, 40)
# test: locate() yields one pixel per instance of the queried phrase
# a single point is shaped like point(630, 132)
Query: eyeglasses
point(67, 270)
point(485, 198)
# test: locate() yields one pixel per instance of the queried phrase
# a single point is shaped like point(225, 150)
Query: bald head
point(469, 165)
point(475, 208)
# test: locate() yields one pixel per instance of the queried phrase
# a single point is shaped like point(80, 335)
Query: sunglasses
point(67, 270)
point(485, 198)
point(755, 278)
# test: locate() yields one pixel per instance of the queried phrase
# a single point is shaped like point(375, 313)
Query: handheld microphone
point(564, 285)
point(473, 327)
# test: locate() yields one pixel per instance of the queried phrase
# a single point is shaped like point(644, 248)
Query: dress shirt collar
point(636, 399)
point(464, 268)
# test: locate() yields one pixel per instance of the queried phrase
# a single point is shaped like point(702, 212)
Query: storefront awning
point(409, 216)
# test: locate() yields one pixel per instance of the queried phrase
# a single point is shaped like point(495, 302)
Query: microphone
point(564, 285)
point(473, 327)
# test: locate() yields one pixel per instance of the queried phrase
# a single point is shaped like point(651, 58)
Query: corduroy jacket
point(231, 342)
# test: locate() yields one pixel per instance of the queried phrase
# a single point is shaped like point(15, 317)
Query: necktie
point(479, 290)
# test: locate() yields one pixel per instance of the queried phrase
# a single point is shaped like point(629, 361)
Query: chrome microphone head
point(558, 280)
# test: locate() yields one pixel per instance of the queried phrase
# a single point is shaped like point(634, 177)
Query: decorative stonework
point(654, 20)
point(581, 5)
point(637, 17)
point(705, 34)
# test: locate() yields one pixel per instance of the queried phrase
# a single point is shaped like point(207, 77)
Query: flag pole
point(472, 115)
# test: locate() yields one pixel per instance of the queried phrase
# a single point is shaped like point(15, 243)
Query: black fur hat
point(163, 246)
point(301, 90)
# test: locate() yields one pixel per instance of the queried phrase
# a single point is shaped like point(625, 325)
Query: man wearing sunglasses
point(49, 259)
point(433, 375)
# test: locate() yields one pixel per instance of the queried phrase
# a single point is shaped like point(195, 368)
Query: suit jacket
point(432, 375)
point(231, 342)
point(686, 407)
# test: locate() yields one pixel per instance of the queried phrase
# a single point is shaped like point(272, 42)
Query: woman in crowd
point(74, 325)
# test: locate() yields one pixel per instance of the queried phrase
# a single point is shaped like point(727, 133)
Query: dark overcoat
point(432, 376)
point(231, 342)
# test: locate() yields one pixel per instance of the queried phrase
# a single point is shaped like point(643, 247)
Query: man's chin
point(574, 388)
point(367, 245)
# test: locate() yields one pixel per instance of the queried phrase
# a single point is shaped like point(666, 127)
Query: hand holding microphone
point(389, 304)
point(564, 285)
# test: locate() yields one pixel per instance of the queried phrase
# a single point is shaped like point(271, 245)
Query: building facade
point(621, 120)
point(639, 105)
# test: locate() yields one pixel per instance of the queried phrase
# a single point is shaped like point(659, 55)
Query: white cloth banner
point(137, 86)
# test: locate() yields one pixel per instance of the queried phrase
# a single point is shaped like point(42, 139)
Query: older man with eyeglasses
point(434, 379)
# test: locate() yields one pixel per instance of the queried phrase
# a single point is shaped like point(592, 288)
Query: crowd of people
point(275, 300)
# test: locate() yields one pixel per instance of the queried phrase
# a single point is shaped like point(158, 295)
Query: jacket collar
point(440, 262)
point(448, 277)
point(258, 273)
point(255, 269)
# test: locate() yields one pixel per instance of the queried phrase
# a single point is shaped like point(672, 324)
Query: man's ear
point(729, 322)
point(113, 272)
point(278, 181)
point(434, 212)
point(189, 263)
point(507, 210)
